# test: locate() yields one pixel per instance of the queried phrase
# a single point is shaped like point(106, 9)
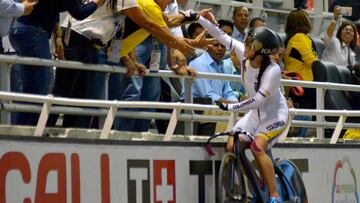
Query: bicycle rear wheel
point(231, 186)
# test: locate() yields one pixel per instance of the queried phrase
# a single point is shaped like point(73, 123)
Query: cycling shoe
point(275, 200)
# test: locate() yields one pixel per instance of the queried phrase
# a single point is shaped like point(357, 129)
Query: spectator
point(227, 26)
point(148, 89)
point(86, 44)
point(30, 37)
point(241, 21)
point(10, 9)
point(340, 49)
point(206, 90)
point(216, 90)
point(300, 56)
point(194, 30)
point(354, 4)
point(232, 66)
point(257, 22)
point(278, 58)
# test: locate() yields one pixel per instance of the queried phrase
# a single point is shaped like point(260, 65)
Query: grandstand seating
point(335, 99)
point(319, 46)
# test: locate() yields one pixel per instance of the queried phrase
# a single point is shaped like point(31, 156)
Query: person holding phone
point(340, 48)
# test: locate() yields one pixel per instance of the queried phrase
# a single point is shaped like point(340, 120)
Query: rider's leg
point(265, 164)
point(230, 144)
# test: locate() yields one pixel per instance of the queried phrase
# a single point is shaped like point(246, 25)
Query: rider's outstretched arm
point(223, 38)
point(270, 85)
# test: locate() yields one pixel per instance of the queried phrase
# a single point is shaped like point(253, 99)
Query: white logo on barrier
point(138, 174)
point(164, 192)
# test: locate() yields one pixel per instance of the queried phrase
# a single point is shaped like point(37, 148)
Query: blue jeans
point(80, 84)
point(32, 42)
point(142, 88)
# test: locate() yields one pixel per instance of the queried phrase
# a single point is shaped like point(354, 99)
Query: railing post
point(5, 69)
point(172, 124)
point(232, 121)
point(288, 125)
point(108, 122)
point(320, 104)
point(337, 131)
point(188, 125)
point(106, 95)
point(44, 115)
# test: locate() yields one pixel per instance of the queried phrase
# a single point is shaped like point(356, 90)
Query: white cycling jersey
point(268, 113)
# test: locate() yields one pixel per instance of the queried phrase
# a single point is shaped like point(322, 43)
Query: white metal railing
point(48, 101)
point(113, 106)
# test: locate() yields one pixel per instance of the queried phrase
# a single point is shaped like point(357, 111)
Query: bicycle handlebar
point(229, 133)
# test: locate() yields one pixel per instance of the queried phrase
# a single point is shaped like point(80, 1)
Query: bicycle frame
point(260, 190)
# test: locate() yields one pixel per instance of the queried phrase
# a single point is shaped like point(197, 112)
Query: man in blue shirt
point(10, 9)
point(211, 62)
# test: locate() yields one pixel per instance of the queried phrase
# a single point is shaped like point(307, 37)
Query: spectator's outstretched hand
point(206, 13)
point(184, 47)
point(28, 6)
point(204, 43)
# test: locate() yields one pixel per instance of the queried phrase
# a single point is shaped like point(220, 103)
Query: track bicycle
point(234, 165)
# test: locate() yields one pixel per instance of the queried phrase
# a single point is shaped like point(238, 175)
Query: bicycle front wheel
point(231, 187)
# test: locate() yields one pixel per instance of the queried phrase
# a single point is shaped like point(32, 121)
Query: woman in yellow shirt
point(300, 54)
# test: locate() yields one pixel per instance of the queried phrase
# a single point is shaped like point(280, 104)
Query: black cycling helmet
point(263, 41)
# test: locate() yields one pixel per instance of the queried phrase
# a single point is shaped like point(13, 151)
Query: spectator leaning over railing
point(148, 89)
point(300, 57)
point(30, 36)
point(9, 9)
point(241, 22)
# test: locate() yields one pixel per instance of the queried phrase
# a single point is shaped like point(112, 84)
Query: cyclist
point(261, 77)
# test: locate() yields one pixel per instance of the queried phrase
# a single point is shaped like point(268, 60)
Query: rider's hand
point(222, 105)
